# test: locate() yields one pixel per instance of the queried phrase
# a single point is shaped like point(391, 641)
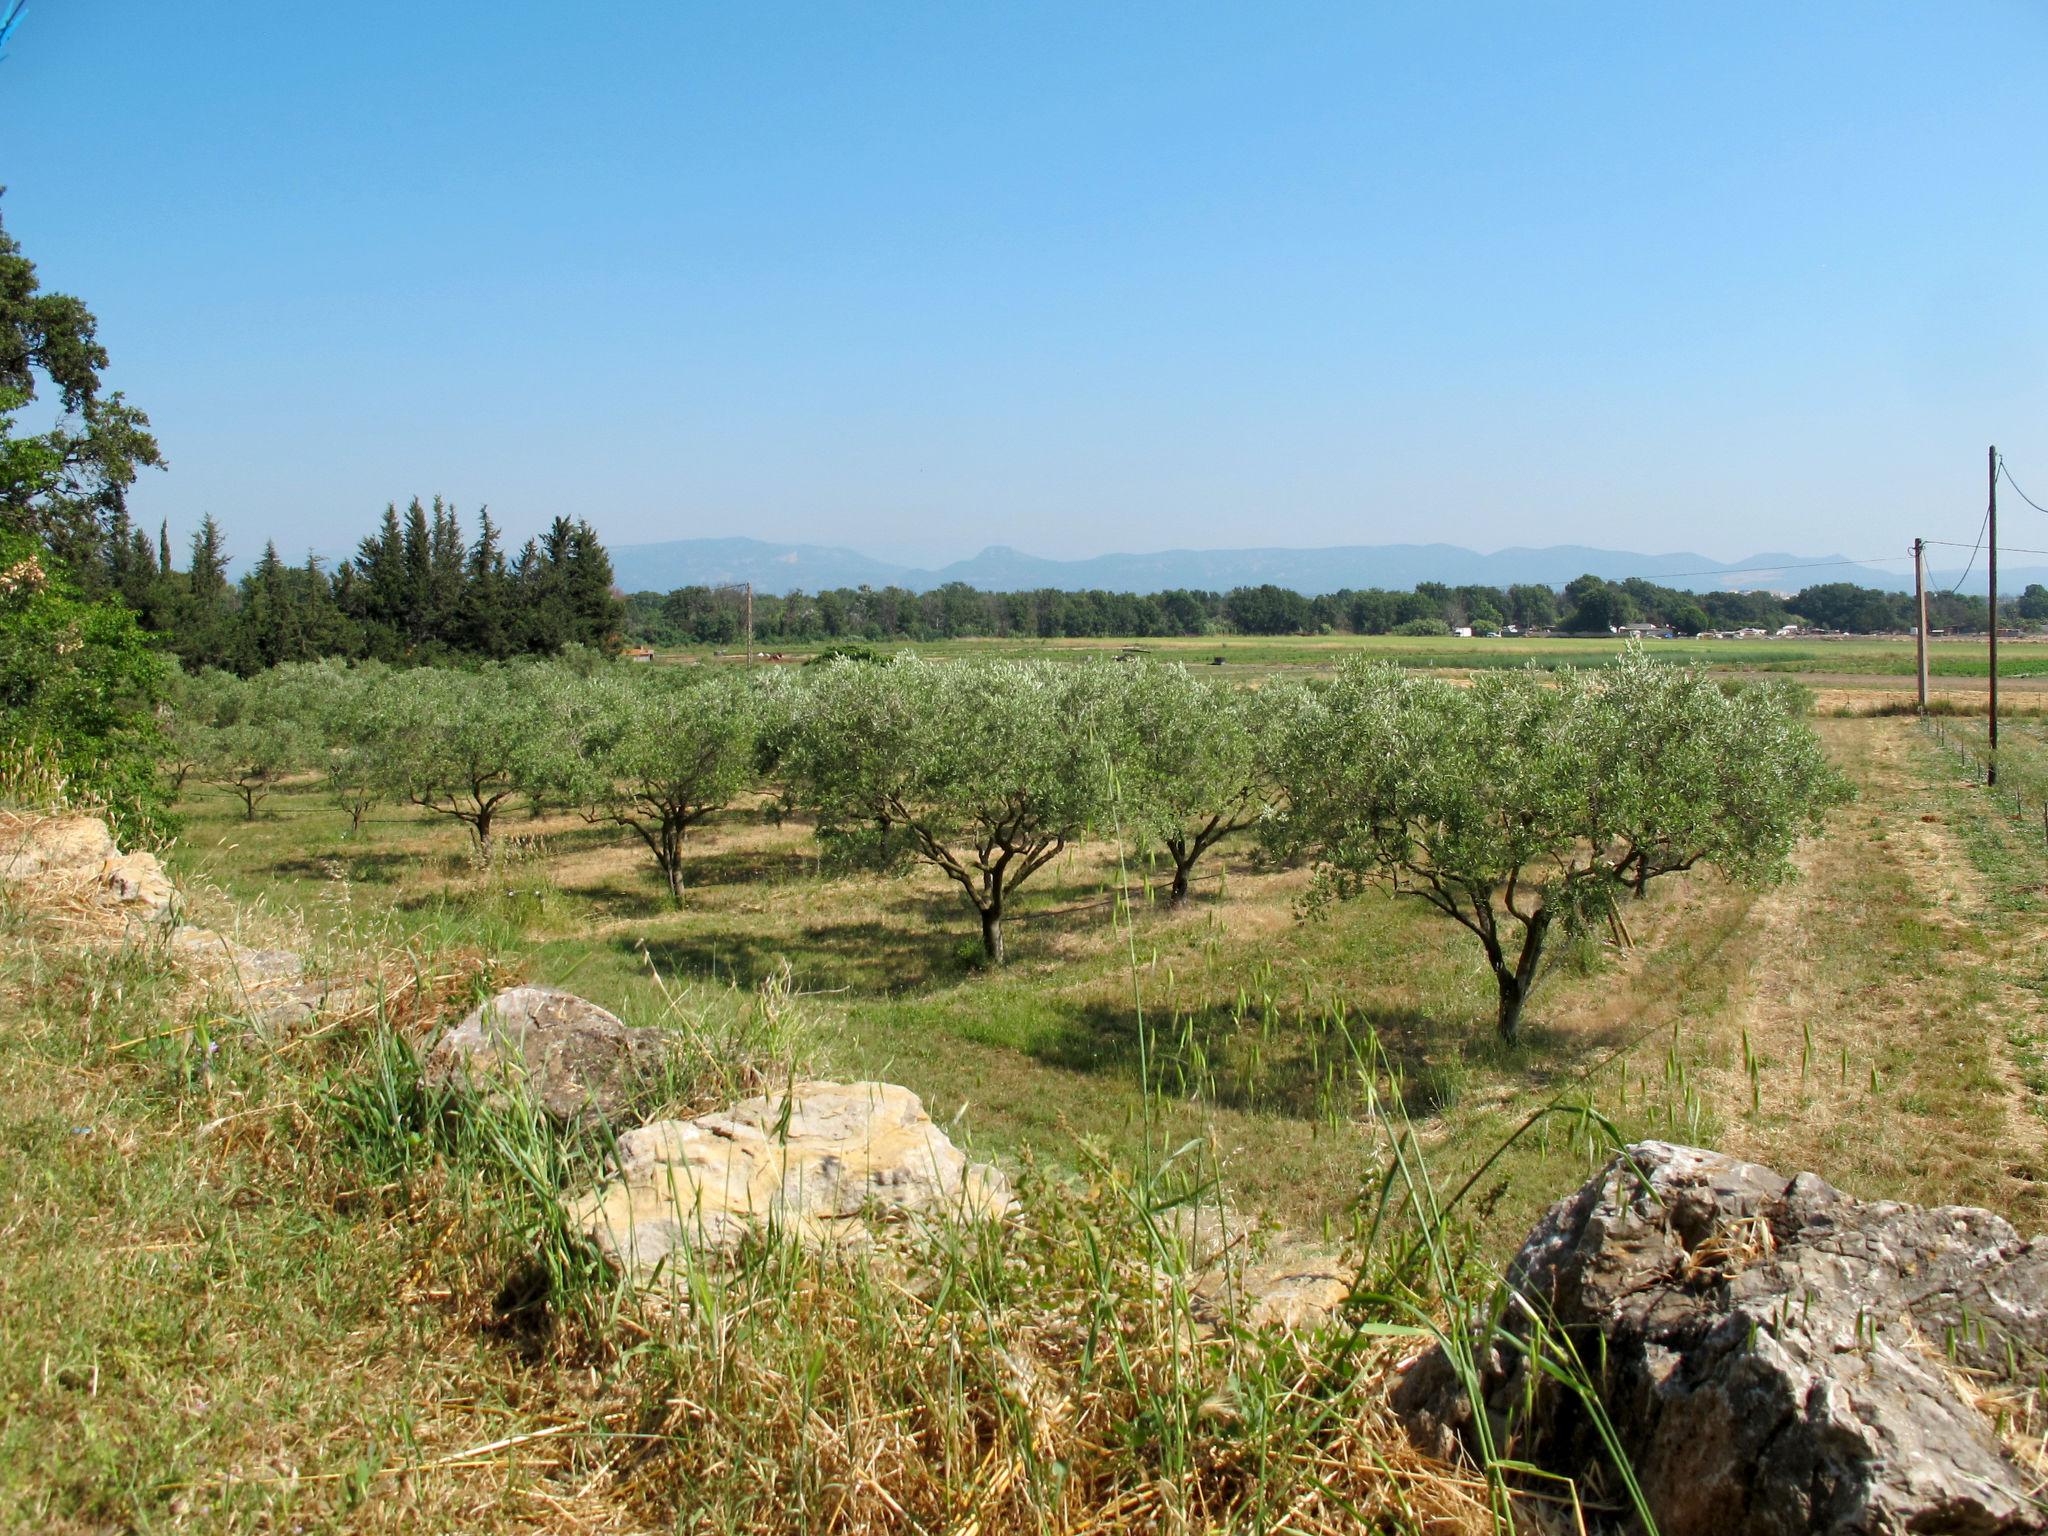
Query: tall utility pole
point(750, 623)
point(1991, 523)
point(1920, 601)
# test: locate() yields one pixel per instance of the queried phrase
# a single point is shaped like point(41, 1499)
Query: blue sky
point(918, 278)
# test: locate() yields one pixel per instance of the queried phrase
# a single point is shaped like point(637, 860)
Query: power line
point(2010, 549)
point(1973, 557)
point(2023, 496)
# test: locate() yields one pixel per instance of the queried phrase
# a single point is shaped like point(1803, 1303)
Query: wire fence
point(2021, 760)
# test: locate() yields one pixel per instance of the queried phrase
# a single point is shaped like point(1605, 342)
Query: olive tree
point(461, 743)
point(989, 768)
point(337, 705)
point(1189, 770)
point(658, 751)
point(246, 736)
point(1524, 802)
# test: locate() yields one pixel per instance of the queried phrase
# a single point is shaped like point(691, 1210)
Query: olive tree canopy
point(462, 743)
point(658, 751)
point(991, 768)
point(1525, 800)
point(1189, 767)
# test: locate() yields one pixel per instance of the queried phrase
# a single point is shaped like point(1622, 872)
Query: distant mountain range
point(782, 568)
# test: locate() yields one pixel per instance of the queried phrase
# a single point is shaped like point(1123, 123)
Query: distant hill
point(783, 568)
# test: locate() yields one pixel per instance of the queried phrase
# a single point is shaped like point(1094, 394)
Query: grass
point(260, 1283)
point(1253, 1009)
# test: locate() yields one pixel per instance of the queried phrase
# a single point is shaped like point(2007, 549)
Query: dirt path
point(1876, 1002)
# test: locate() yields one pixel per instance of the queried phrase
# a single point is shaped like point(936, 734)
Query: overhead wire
point(1972, 563)
point(2023, 496)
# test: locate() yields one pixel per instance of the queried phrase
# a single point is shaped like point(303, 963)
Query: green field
point(1887, 658)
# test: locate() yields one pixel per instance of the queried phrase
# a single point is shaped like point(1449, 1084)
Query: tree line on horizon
point(706, 615)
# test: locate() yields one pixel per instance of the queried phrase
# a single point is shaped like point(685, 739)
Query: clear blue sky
point(917, 278)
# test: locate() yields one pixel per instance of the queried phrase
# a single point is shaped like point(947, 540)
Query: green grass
point(1251, 1011)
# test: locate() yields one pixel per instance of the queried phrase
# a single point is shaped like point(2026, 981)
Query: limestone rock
point(1776, 1356)
point(68, 847)
point(818, 1164)
point(580, 1063)
point(281, 1009)
point(137, 882)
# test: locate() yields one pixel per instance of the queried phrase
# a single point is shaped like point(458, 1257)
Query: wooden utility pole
point(1920, 603)
point(750, 623)
point(1991, 523)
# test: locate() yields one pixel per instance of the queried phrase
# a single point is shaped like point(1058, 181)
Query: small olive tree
point(246, 735)
point(658, 751)
point(461, 743)
point(1189, 769)
point(1524, 801)
point(333, 704)
point(989, 768)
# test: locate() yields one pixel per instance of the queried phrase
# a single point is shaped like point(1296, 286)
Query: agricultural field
point(1755, 1020)
point(1866, 672)
point(442, 1359)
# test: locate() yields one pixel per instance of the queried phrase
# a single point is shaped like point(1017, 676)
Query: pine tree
point(486, 624)
point(595, 612)
point(378, 595)
point(416, 622)
point(445, 576)
point(202, 635)
point(541, 615)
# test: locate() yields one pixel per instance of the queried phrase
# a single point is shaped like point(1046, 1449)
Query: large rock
point(77, 855)
point(1775, 1356)
point(818, 1164)
point(578, 1062)
point(56, 848)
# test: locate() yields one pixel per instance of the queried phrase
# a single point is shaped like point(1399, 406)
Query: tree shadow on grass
point(362, 868)
point(1304, 1069)
point(868, 955)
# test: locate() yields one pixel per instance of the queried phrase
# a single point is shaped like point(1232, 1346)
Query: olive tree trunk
point(1514, 981)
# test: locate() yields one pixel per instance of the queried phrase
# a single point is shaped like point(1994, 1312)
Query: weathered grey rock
point(578, 1062)
point(820, 1164)
point(1773, 1354)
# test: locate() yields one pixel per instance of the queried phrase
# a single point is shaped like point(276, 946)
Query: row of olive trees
point(1519, 805)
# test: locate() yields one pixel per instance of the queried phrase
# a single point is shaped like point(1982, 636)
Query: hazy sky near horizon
point(921, 277)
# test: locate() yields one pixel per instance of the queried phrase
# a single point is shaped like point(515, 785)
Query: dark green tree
point(67, 486)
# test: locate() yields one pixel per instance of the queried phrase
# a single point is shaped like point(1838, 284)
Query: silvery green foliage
point(332, 704)
point(1524, 799)
point(659, 749)
point(462, 743)
point(1188, 761)
point(988, 768)
point(243, 735)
